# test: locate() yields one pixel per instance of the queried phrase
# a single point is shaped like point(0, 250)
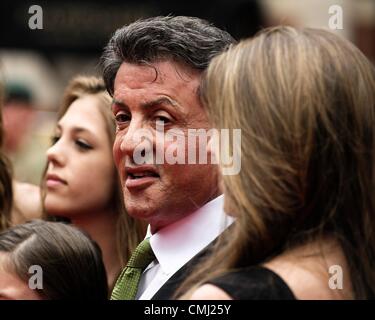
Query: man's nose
point(137, 139)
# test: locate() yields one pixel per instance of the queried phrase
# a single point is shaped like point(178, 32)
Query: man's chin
point(137, 212)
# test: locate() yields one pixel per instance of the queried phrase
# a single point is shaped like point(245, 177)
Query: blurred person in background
point(6, 190)
point(22, 141)
point(19, 145)
point(81, 183)
point(18, 116)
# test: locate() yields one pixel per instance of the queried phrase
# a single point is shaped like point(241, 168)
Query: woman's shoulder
point(210, 292)
point(250, 283)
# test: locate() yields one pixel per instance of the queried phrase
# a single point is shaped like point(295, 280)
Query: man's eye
point(54, 139)
point(163, 119)
point(83, 145)
point(122, 117)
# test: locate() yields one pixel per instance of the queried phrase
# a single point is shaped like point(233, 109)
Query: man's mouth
point(143, 175)
point(140, 177)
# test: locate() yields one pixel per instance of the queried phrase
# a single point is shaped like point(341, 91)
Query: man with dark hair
point(152, 68)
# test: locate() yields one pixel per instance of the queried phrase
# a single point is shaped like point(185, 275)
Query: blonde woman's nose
point(55, 154)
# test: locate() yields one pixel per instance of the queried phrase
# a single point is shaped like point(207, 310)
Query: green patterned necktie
point(126, 286)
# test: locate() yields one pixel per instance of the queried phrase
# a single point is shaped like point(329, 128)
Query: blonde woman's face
point(80, 174)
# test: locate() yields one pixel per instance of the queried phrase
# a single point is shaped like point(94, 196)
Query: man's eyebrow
point(149, 104)
point(161, 100)
point(119, 103)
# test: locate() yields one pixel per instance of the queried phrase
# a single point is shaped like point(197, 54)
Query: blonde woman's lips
point(53, 180)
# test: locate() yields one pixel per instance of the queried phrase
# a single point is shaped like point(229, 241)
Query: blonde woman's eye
point(83, 145)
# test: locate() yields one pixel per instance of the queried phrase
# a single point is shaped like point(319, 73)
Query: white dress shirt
point(179, 242)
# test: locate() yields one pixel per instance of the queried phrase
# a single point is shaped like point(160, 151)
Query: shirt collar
point(179, 242)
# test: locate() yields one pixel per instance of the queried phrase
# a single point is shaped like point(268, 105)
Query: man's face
point(159, 193)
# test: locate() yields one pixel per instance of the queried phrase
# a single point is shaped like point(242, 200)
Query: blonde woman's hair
point(305, 102)
point(129, 230)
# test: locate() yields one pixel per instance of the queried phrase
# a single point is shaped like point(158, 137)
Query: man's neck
point(157, 225)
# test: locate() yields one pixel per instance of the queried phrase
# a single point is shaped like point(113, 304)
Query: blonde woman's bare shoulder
point(27, 203)
point(209, 292)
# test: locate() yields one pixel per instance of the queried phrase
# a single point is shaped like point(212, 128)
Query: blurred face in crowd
point(80, 174)
point(15, 130)
point(159, 193)
point(12, 287)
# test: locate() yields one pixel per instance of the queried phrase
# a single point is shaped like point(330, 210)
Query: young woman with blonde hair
point(81, 182)
point(304, 198)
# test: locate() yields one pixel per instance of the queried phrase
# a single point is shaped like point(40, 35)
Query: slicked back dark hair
point(187, 40)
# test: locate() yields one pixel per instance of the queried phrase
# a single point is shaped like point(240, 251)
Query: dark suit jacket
point(167, 291)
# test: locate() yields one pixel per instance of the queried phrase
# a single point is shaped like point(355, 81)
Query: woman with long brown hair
point(304, 198)
point(81, 182)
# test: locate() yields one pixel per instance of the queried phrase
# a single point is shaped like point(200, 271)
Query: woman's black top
point(253, 283)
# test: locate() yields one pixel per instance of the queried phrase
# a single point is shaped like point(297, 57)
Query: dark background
point(85, 26)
